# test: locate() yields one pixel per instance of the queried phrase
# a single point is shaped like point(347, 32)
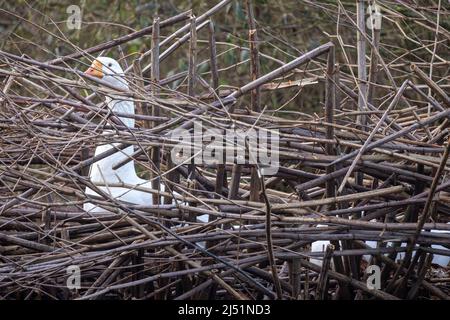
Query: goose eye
point(109, 64)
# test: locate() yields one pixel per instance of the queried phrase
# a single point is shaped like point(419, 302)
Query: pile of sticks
point(368, 167)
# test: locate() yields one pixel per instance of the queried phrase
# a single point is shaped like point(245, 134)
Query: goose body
point(441, 260)
point(102, 174)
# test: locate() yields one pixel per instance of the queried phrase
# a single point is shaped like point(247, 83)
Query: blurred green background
point(38, 29)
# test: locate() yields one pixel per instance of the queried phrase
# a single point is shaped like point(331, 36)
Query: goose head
point(109, 70)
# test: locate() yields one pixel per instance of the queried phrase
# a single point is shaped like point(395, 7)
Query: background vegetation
point(285, 30)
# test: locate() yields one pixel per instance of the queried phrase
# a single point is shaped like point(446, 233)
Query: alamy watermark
point(374, 279)
point(212, 146)
point(375, 16)
point(74, 18)
point(73, 281)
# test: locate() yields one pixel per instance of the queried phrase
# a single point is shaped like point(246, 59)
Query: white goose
point(101, 172)
point(320, 246)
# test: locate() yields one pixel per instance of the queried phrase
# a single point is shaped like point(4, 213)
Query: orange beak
point(95, 70)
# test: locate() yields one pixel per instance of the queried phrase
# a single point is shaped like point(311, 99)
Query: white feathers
point(102, 172)
point(320, 246)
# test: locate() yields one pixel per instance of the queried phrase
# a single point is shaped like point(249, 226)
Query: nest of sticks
point(383, 180)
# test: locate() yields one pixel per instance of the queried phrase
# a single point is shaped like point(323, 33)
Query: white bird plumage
point(102, 172)
point(320, 246)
